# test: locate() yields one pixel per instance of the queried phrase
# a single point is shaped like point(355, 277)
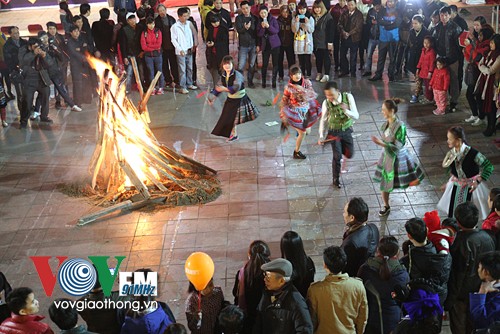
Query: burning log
point(128, 157)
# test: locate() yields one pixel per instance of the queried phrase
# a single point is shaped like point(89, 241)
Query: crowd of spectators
point(426, 39)
point(451, 266)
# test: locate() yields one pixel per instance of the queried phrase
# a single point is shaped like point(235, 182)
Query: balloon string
point(199, 301)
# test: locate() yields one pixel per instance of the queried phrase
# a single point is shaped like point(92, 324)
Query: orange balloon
point(199, 269)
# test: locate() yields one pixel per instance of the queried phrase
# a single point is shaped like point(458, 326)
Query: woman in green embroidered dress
point(397, 168)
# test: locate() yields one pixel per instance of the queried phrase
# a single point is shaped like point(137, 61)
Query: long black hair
point(259, 254)
point(387, 247)
point(292, 249)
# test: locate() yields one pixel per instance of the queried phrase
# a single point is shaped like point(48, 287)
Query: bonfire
point(129, 166)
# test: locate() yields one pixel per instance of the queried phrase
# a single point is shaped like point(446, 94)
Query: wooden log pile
point(128, 156)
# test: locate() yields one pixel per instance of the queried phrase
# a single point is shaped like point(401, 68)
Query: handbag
point(471, 72)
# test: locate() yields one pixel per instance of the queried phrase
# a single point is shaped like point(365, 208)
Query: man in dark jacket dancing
point(282, 308)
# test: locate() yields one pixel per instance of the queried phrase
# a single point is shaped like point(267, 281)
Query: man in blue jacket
point(485, 304)
point(389, 20)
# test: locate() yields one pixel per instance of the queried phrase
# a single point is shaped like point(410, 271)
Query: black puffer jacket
point(359, 246)
point(466, 250)
point(288, 314)
point(426, 263)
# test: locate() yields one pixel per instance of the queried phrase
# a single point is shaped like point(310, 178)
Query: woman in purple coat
point(268, 32)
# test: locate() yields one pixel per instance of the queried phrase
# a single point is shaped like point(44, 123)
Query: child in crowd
point(202, 314)
point(24, 317)
point(299, 107)
point(492, 222)
point(440, 83)
point(425, 67)
point(441, 234)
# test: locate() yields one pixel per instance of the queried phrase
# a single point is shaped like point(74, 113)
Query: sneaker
point(298, 155)
point(452, 108)
point(76, 108)
point(325, 78)
point(318, 76)
point(193, 87)
point(35, 115)
point(385, 211)
point(424, 100)
point(154, 92)
point(183, 91)
point(438, 112)
point(478, 122)
point(414, 99)
point(160, 92)
point(336, 184)
point(232, 138)
point(471, 119)
point(5, 124)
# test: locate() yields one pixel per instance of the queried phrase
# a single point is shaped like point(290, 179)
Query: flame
point(121, 121)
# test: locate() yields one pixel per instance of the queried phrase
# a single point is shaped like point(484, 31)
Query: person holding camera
point(268, 31)
point(246, 25)
point(303, 28)
point(53, 54)
point(36, 79)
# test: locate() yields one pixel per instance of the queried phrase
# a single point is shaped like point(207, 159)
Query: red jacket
point(25, 324)
point(426, 63)
point(440, 79)
point(480, 49)
point(151, 40)
point(490, 222)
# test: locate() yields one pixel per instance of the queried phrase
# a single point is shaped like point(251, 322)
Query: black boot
point(274, 82)
point(490, 129)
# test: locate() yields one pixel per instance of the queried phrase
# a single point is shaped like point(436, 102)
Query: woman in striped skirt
point(238, 107)
point(397, 168)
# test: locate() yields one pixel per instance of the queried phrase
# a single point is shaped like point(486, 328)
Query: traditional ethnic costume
point(238, 108)
point(337, 118)
point(467, 166)
point(396, 167)
point(299, 107)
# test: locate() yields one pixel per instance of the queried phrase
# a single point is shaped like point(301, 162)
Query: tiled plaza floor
point(265, 191)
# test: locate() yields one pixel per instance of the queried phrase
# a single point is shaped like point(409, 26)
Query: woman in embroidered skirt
point(397, 168)
point(468, 168)
point(299, 107)
point(238, 107)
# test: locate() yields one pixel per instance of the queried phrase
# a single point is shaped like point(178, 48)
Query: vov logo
point(77, 276)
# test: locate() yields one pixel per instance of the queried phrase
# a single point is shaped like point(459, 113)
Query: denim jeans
point(155, 64)
point(372, 44)
point(185, 64)
point(247, 53)
point(60, 87)
point(130, 77)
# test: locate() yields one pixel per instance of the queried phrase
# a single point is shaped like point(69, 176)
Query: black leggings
point(475, 102)
point(323, 61)
point(305, 64)
point(266, 54)
point(290, 58)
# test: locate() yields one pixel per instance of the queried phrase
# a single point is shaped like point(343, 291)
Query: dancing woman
point(299, 107)
point(396, 168)
point(468, 168)
point(238, 107)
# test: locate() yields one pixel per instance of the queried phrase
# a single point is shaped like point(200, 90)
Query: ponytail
point(384, 272)
point(388, 247)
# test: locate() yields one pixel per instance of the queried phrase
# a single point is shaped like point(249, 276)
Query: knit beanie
point(432, 221)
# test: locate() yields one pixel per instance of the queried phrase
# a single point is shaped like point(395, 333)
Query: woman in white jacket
point(303, 27)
